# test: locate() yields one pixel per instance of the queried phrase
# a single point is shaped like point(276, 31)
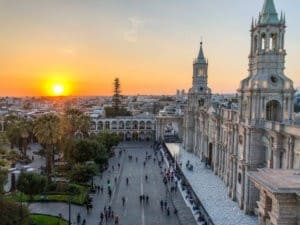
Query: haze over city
point(149, 45)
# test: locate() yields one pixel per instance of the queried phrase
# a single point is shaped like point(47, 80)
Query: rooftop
point(278, 180)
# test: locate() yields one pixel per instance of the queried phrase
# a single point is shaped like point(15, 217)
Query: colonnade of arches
point(122, 125)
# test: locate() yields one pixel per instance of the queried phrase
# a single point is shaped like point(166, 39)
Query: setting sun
point(58, 89)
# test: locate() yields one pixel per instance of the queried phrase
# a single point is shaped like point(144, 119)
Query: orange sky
point(148, 46)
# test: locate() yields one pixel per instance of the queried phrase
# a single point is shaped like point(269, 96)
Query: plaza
point(134, 212)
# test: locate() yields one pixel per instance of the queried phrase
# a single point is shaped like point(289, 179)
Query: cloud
point(131, 35)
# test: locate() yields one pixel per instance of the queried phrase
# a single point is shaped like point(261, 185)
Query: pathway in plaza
point(134, 212)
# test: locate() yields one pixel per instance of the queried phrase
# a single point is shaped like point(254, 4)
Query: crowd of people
point(108, 215)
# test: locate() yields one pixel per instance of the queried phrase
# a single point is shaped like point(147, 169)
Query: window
point(273, 111)
point(263, 41)
point(273, 41)
point(239, 178)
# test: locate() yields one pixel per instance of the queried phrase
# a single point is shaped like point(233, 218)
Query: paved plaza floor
point(134, 212)
point(211, 190)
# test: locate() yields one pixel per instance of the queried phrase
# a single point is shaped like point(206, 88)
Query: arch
point(142, 136)
point(93, 125)
point(79, 134)
point(128, 136)
point(135, 125)
point(128, 125)
point(142, 125)
point(114, 125)
point(149, 136)
point(107, 125)
point(135, 136)
point(263, 41)
point(100, 125)
point(121, 135)
point(148, 125)
point(273, 111)
point(121, 125)
point(273, 41)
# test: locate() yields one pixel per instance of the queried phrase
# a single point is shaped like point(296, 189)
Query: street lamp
point(69, 201)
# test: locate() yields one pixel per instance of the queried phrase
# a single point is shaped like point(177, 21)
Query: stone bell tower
point(198, 97)
point(267, 94)
point(266, 97)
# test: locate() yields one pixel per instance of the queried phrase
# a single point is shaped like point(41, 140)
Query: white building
point(261, 132)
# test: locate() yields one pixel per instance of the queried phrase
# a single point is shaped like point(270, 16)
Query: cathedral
point(259, 134)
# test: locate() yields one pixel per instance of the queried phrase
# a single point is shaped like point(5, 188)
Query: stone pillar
point(284, 209)
point(264, 207)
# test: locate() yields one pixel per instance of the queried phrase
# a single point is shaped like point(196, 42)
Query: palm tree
point(47, 129)
point(76, 121)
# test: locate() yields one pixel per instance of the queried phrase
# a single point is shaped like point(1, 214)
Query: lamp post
point(69, 209)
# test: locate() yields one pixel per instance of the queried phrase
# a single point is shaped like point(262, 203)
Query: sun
point(58, 89)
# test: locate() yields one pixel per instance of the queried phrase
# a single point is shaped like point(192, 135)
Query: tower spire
point(201, 58)
point(269, 14)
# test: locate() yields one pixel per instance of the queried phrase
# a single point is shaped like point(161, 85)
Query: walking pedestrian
point(165, 204)
point(115, 179)
point(101, 189)
point(117, 220)
point(78, 217)
point(175, 211)
point(141, 198)
point(147, 199)
point(123, 200)
point(168, 211)
point(146, 177)
point(161, 204)
point(101, 217)
point(127, 180)
point(83, 222)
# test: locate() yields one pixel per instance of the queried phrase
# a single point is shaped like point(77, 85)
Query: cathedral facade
point(260, 132)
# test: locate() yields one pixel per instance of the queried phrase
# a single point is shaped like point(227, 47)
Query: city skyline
point(84, 46)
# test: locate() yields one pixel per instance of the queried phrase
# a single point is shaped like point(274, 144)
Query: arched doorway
point(273, 111)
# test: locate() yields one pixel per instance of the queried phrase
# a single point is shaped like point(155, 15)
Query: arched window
point(114, 125)
point(121, 125)
point(107, 125)
point(273, 111)
point(273, 42)
point(100, 125)
point(263, 41)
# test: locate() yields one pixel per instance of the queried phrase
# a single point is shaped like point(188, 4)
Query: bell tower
point(198, 98)
point(199, 94)
point(267, 94)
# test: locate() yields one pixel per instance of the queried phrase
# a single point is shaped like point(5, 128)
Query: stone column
point(284, 209)
point(264, 207)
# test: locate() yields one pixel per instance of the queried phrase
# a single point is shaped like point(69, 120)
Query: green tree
point(107, 139)
point(82, 173)
point(85, 150)
point(31, 183)
point(12, 213)
point(48, 131)
point(75, 121)
point(19, 132)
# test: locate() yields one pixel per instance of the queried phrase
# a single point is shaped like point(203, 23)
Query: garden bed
point(41, 219)
point(78, 199)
